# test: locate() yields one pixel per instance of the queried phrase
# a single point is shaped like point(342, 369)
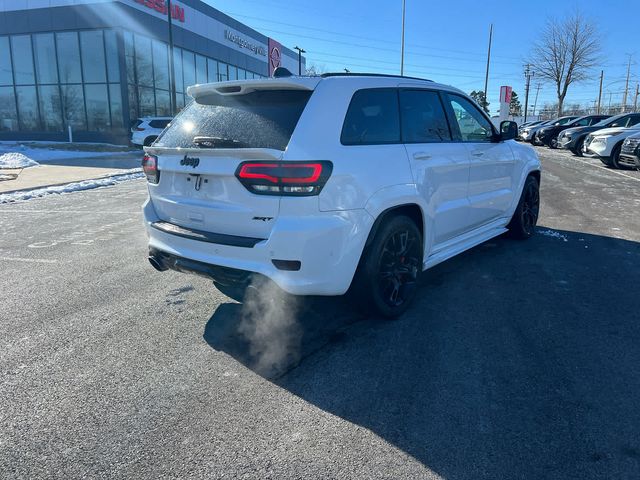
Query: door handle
point(422, 156)
point(477, 153)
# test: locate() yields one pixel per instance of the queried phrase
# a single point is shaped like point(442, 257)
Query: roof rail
point(361, 74)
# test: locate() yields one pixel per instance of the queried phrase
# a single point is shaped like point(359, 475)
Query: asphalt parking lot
point(519, 360)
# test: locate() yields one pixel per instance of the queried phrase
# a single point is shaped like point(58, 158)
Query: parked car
point(549, 135)
point(325, 184)
point(145, 130)
point(526, 133)
point(630, 152)
point(535, 139)
point(606, 143)
point(573, 138)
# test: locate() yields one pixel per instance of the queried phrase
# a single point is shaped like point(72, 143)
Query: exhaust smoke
point(270, 326)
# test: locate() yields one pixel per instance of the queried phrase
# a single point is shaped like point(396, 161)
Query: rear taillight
point(150, 168)
point(138, 129)
point(284, 178)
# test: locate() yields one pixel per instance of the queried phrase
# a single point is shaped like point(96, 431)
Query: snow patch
point(113, 179)
point(553, 234)
point(16, 160)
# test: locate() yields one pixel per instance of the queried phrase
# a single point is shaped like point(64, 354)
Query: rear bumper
point(328, 245)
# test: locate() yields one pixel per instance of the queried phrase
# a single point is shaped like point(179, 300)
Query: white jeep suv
point(326, 183)
point(145, 130)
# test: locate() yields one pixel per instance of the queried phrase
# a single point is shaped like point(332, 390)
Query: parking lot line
point(606, 169)
point(28, 260)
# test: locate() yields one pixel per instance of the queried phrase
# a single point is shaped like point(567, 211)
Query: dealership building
point(96, 65)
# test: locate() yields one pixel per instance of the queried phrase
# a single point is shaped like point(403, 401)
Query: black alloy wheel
point(387, 278)
point(524, 220)
point(398, 267)
point(530, 208)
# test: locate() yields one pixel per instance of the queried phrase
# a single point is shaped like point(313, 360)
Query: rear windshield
point(260, 119)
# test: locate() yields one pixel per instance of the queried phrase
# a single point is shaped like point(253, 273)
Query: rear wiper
point(219, 142)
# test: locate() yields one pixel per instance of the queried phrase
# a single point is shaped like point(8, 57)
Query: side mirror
point(508, 130)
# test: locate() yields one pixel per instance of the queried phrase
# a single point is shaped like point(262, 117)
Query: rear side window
point(260, 119)
point(159, 123)
point(372, 118)
point(423, 117)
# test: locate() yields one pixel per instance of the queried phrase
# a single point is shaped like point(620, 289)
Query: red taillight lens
point(284, 178)
point(150, 168)
point(138, 129)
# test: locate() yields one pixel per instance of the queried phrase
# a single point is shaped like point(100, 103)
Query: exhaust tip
point(157, 264)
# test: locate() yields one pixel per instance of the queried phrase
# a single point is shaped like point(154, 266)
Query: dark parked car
point(573, 138)
point(630, 152)
point(549, 135)
point(552, 123)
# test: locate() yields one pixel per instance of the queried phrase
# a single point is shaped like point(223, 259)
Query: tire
point(606, 161)
point(553, 143)
point(615, 156)
point(149, 140)
point(578, 148)
point(386, 281)
point(523, 222)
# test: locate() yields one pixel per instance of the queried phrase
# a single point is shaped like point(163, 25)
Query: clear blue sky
point(445, 41)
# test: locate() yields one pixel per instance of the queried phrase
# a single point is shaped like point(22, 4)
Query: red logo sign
point(275, 55)
point(177, 12)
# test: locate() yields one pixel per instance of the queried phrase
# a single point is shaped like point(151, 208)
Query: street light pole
point(300, 52)
point(600, 93)
point(172, 70)
point(486, 78)
point(402, 47)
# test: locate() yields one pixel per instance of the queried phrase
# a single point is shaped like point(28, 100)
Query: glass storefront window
point(97, 101)
point(22, 60)
point(233, 72)
point(201, 69)
point(129, 55)
point(8, 115)
point(163, 103)
point(93, 61)
point(212, 70)
point(44, 49)
point(179, 101)
point(73, 106)
point(68, 57)
point(115, 96)
point(50, 108)
point(27, 108)
point(177, 67)
point(144, 70)
point(147, 102)
point(6, 72)
point(133, 102)
point(223, 75)
point(189, 68)
point(242, 74)
point(161, 64)
point(111, 47)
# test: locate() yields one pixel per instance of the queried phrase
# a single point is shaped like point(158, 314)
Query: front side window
point(473, 125)
point(632, 120)
point(582, 122)
point(372, 118)
point(423, 117)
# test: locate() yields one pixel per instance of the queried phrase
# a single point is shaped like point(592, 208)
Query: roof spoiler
point(242, 87)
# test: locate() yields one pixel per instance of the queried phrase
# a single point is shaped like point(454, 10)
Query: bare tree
point(566, 52)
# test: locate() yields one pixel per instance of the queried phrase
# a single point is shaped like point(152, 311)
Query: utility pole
point(300, 52)
point(609, 108)
point(626, 87)
point(486, 77)
point(635, 102)
point(528, 73)
point(172, 67)
point(535, 104)
point(402, 47)
point(600, 92)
